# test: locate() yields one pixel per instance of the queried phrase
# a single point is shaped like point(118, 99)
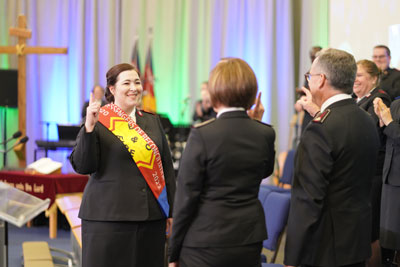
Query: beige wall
point(358, 25)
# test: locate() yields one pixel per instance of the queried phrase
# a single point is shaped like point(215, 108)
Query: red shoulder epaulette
point(140, 112)
point(320, 118)
point(382, 92)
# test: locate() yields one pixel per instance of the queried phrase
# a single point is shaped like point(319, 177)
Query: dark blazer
point(116, 190)
point(207, 114)
point(330, 215)
point(367, 104)
point(390, 82)
point(216, 202)
point(391, 171)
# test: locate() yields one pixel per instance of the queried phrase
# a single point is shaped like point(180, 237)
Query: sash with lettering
point(142, 149)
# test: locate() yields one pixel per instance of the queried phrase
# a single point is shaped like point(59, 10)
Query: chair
point(285, 171)
point(288, 168)
point(276, 208)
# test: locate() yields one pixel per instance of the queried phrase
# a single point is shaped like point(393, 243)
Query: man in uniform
point(390, 80)
point(330, 214)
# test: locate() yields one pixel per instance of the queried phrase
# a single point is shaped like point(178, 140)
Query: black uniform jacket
point(216, 202)
point(390, 82)
point(367, 104)
point(391, 171)
point(116, 190)
point(330, 214)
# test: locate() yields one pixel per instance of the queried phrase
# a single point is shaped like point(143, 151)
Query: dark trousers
point(125, 244)
point(248, 255)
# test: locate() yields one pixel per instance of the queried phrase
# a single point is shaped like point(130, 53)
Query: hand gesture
point(307, 103)
point(92, 113)
point(258, 111)
point(383, 112)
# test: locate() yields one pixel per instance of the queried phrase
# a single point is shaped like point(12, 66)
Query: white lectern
point(16, 207)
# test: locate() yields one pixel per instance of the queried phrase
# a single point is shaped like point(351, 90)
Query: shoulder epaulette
point(382, 92)
point(320, 118)
point(142, 111)
point(197, 125)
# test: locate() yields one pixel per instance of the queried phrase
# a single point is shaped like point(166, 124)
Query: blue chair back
point(288, 168)
point(276, 208)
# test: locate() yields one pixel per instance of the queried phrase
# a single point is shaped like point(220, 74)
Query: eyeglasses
point(308, 75)
point(379, 57)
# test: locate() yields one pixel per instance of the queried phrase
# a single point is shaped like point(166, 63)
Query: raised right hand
point(307, 102)
point(257, 112)
point(92, 113)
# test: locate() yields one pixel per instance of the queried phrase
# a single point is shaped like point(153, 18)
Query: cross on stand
point(21, 49)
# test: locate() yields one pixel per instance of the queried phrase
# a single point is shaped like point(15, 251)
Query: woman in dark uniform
point(128, 199)
point(365, 91)
point(218, 219)
point(390, 206)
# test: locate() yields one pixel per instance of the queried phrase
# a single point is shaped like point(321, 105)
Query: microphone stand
point(23, 140)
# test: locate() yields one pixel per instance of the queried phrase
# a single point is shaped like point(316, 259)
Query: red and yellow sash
point(143, 150)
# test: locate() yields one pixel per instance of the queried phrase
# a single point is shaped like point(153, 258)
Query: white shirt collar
point(230, 109)
point(334, 99)
point(369, 93)
point(133, 114)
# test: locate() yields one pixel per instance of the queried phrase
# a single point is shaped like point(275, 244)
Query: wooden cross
point(21, 49)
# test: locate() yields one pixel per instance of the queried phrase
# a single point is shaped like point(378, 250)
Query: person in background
point(390, 80)
point(313, 55)
point(204, 110)
point(127, 204)
point(302, 117)
point(98, 95)
point(390, 203)
point(365, 91)
point(329, 220)
point(218, 219)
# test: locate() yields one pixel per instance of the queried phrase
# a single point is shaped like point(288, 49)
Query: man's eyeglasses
point(379, 57)
point(308, 75)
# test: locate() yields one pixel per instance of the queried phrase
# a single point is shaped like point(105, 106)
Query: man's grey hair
point(339, 67)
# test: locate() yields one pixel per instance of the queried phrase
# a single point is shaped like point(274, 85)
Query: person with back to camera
point(218, 219)
point(329, 222)
point(127, 203)
point(390, 203)
point(365, 91)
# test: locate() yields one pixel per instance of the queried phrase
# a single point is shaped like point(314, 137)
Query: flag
point(135, 56)
point(149, 99)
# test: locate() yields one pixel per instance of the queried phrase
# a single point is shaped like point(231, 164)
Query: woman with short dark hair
point(218, 219)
